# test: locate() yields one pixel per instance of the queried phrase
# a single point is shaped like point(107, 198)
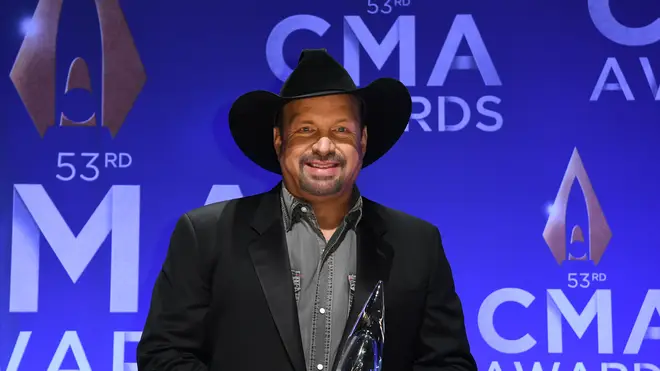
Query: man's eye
point(305, 129)
point(342, 129)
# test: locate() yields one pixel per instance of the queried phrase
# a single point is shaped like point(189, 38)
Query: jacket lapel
point(374, 259)
point(271, 261)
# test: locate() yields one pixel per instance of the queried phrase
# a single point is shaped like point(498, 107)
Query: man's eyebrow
point(339, 121)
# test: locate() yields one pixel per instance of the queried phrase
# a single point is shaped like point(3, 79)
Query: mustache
point(333, 157)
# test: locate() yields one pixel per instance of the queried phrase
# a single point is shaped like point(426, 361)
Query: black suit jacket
point(224, 300)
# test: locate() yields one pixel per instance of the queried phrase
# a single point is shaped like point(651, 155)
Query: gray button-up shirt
point(323, 275)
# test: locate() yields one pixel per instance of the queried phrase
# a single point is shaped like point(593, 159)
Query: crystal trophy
point(363, 350)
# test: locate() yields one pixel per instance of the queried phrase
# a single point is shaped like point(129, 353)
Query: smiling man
point(274, 281)
point(320, 142)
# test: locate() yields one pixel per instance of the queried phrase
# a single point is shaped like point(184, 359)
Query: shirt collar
point(294, 208)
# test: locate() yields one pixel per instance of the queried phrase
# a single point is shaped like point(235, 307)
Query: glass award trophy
point(363, 350)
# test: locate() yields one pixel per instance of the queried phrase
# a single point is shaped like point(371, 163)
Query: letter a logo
point(555, 229)
point(33, 73)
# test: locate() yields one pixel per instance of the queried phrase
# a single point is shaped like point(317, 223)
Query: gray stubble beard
point(307, 186)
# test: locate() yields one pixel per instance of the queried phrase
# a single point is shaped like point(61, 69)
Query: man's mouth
point(322, 169)
point(322, 164)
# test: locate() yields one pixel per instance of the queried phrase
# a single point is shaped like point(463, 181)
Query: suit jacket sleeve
point(173, 335)
point(443, 341)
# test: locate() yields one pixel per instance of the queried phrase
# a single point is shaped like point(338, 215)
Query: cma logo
point(430, 113)
point(555, 228)
point(118, 215)
point(560, 312)
point(612, 77)
point(33, 73)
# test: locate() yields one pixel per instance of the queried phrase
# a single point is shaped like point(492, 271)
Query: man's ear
point(277, 140)
point(363, 140)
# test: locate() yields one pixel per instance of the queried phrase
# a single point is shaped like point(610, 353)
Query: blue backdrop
point(533, 147)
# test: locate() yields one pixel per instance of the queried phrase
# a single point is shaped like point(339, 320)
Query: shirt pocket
point(351, 291)
point(295, 277)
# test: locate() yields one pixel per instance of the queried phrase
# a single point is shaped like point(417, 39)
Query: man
point(275, 281)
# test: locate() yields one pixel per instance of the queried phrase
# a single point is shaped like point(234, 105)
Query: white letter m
point(34, 212)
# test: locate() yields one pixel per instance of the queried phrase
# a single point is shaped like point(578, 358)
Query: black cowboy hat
point(386, 108)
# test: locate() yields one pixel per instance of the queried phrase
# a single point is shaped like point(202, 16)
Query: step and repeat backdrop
point(533, 146)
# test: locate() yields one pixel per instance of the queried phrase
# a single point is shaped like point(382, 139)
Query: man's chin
point(322, 187)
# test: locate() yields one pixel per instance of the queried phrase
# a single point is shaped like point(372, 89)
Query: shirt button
point(319, 366)
point(322, 310)
point(304, 210)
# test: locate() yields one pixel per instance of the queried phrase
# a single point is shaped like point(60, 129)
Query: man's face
point(321, 145)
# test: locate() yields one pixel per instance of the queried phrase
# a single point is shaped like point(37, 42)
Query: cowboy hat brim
point(387, 105)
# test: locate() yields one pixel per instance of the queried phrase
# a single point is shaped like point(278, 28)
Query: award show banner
point(534, 146)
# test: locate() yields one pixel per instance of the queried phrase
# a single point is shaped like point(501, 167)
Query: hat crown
point(317, 73)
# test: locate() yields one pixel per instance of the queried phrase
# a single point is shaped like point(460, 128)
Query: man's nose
point(324, 146)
